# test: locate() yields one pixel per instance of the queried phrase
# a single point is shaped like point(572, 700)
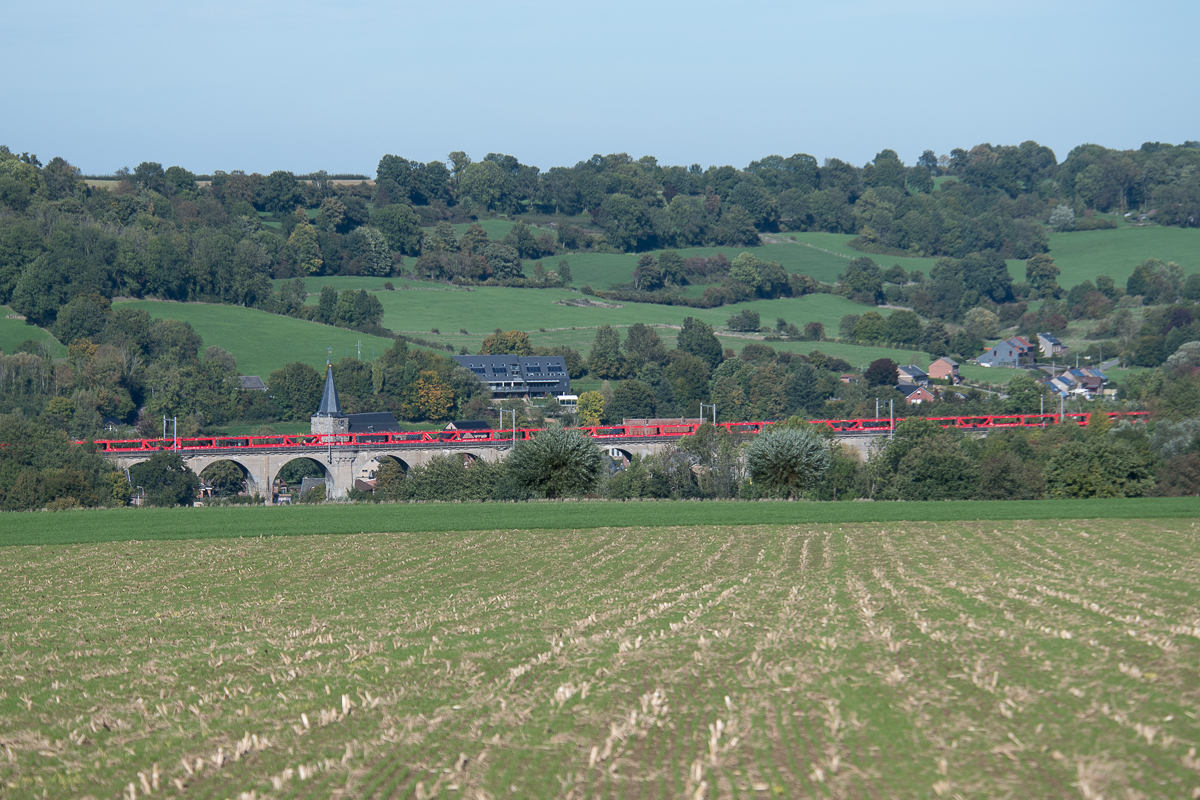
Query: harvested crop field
point(952, 659)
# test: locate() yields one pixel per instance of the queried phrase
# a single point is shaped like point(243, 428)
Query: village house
point(915, 395)
point(911, 373)
point(1083, 383)
point(471, 428)
point(1051, 347)
point(1013, 352)
point(944, 369)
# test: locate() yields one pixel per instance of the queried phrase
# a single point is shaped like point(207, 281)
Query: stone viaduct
point(343, 464)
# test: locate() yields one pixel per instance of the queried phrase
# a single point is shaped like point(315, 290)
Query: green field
point(486, 308)
point(1080, 255)
point(840, 659)
point(233, 522)
point(1085, 254)
point(263, 342)
point(15, 331)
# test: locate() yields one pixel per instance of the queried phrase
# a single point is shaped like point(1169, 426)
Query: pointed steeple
point(330, 407)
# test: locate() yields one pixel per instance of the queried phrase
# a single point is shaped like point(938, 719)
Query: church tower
point(329, 417)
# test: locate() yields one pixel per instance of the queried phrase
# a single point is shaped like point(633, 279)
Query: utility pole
point(714, 412)
point(891, 418)
point(360, 349)
point(504, 411)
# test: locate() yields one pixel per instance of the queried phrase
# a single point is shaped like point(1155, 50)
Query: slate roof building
point(911, 373)
point(330, 419)
point(520, 376)
point(1051, 346)
point(914, 395)
point(1010, 353)
point(252, 383)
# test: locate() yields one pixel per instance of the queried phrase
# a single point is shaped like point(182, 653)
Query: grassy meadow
point(831, 659)
point(1080, 255)
point(263, 342)
point(15, 331)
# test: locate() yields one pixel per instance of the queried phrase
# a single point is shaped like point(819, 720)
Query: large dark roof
point(375, 422)
point(907, 389)
point(252, 382)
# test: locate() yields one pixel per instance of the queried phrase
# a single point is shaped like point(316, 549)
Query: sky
point(262, 85)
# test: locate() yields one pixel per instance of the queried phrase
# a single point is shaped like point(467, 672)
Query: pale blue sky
point(333, 85)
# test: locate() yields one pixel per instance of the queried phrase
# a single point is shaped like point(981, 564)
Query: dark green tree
point(605, 360)
point(557, 463)
point(225, 477)
point(296, 390)
point(881, 372)
point(643, 345)
point(166, 479)
point(327, 305)
point(864, 280)
point(1099, 467)
point(697, 338)
point(937, 469)
point(631, 400)
point(788, 461)
point(401, 227)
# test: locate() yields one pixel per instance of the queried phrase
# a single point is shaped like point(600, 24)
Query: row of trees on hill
point(165, 233)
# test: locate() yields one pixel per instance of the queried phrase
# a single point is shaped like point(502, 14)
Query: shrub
point(558, 463)
point(788, 460)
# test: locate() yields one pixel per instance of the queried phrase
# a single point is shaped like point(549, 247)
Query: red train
point(600, 432)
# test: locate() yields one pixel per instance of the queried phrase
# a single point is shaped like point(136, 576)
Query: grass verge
point(70, 527)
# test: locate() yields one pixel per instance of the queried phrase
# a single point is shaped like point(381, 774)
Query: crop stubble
point(903, 660)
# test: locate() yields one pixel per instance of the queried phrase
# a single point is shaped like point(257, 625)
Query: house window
point(499, 370)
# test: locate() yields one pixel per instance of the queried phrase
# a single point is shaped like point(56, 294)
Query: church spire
point(330, 407)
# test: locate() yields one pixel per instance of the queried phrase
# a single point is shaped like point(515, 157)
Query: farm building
point(520, 376)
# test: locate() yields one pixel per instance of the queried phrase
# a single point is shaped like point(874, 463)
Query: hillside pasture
point(15, 331)
point(1080, 255)
point(486, 308)
point(260, 341)
point(904, 660)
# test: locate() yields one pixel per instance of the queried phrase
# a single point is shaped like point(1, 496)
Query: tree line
point(166, 233)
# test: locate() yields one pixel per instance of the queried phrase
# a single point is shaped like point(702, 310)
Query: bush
point(744, 321)
point(558, 463)
point(788, 460)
